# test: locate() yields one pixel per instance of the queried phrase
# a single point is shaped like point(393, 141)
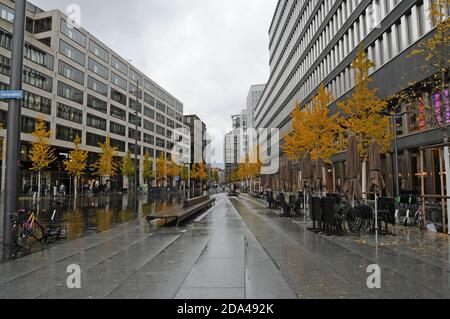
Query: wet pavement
point(238, 249)
point(90, 215)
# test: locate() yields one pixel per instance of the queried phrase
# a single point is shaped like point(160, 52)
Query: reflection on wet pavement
point(414, 264)
point(238, 249)
point(85, 216)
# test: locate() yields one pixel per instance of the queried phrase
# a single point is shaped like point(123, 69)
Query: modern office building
point(236, 143)
point(79, 86)
point(315, 41)
point(253, 97)
point(198, 138)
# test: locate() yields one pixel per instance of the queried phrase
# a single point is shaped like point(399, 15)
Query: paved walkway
point(215, 257)
point(239, 249)
point(413, 265)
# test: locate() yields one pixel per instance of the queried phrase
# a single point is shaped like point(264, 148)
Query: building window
point(5, 39)
point(94, 139)
point(41, 25)
point(69, 113)
point(135, 105)
point(149, 86)
point(28, 124)
point(150, 152)
point(149, 126)
point(39, 57)
point(149, 99)
point(71, 73)
point(132, 149)
point(132, 119)
point(116, 128)
point(6, 13)
point(160, 118)
point(99, 51)
point(170, 123)
point(118, 65)
point(134, 90)
point(160, 130)
point(97, 86)
point(149, 112)
point(37, 103)
point(118, 113)
point(119, 145)
point(160, 142)
point(72, 53)
point(135, 76)
point(133, 134)
point(97, 104)
point(5, 65)
point(96, 122)
point(119, 81)
point(67, 134)
point(98, 68)
point(118, 97)
point(70, 93)
point(149, 139)
point(160, 106)
point(72, 33)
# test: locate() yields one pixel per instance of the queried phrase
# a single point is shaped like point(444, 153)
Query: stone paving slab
point(318, 256)
point(214, 257)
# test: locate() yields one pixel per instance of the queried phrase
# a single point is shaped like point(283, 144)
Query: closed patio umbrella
point(352, 188)
point(318, 186)
point(376, 181)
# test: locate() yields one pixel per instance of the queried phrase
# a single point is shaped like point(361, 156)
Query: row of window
point(102, 53)
point(354, 34)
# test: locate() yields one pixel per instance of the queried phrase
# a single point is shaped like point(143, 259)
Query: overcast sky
point(206, 53)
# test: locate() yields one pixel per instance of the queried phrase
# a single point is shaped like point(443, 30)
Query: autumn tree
point(77, 162)
point(148, 173)
point(128, 168)
point(362, 113)
point(41, 154)
point(173, 169)
point(105, 167)
point(314, 130)
point(161, 169)
point(185, 176)
point(193, 175)
point(202, 174)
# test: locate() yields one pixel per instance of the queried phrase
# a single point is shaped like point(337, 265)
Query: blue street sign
point(11, 95)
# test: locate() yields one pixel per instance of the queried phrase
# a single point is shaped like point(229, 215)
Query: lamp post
point(14, 115)
point(394, 124)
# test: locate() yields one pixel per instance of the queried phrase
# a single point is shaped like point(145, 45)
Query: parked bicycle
point(25, 226)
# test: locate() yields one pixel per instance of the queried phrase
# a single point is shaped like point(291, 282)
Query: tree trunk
point(39, 185)
point(364, 179)
point(75, 186)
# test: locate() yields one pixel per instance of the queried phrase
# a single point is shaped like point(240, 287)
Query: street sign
point(11, 95)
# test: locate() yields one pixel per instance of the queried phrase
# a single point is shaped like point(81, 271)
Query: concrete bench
point(190, 208)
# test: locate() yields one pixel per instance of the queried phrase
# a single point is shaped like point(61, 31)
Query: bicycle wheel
point(19, 236)
point(37, 232)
